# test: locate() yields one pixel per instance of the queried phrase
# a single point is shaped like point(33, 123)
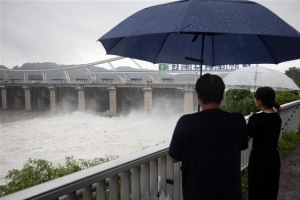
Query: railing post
point(145, 179)
point(101, 190)
point(162, 173)
point(285, 122)
point(243, 157)
point(135, 183)
point(169, 178)
point(177, 185)
point(125, 185)
point(71, 196)
point(87, 192)
point(153, 176)
point(113, 187)
point(181, 192)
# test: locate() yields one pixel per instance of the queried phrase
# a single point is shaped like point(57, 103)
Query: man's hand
point(174, 160)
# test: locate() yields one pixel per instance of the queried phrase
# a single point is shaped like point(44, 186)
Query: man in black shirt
point(209, 144)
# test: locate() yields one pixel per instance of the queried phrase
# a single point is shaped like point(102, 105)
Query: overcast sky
point(65, 32)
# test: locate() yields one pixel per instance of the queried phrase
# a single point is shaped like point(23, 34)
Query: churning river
point(84, 135)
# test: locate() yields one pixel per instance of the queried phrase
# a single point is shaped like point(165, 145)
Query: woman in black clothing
point(264, 162)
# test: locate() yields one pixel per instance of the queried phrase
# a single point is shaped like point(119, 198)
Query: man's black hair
point(210, 88)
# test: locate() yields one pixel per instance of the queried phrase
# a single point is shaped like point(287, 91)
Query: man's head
point(210, 89)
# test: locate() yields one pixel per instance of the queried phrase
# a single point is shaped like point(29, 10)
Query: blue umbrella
point(210, 32)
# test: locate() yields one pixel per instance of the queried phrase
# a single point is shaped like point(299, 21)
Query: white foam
point(82, 135)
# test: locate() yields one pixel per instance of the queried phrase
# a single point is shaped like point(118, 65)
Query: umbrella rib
point(161, 47)
point(202, 49)
point(213, 50)
point(267, 48)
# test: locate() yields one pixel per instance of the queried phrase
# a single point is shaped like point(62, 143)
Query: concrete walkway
point(289, 185)
point(289, 188)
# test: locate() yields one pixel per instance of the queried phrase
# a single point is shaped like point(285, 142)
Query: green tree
point(239, 100)
point(246, 106)
point(283, 97)
point(294, 73)
point(235, 95)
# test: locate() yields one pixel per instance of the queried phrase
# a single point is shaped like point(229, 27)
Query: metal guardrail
point(138, 171)
point(90, 81)
point(20, 82)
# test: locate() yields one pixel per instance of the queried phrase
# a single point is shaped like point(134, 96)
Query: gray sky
point(65, 32)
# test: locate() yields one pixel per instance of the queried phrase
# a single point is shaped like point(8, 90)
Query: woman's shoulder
point(265, 116)
point(255, 116)
point(271, 116)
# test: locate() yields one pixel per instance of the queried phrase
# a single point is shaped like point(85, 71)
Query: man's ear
point(200, 102)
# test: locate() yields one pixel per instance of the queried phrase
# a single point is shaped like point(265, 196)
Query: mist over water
point(84, 135)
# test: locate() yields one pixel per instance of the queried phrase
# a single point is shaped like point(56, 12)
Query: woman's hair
point(267, 97)
point(210, 89)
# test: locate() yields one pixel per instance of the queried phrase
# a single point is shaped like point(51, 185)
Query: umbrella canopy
point(210, 32)
point(254, 77)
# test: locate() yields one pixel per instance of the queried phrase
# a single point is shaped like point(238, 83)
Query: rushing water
point(80, 134)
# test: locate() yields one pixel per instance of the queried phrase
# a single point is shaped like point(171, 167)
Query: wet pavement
point(289, 186)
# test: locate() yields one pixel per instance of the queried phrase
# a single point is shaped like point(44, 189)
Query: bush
point(288, 142)
point(38, 171)
point(239, 100)
point(236, 95)
point(34, 172)
point(244, 180)
point(246, 106)
point(283, 97)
